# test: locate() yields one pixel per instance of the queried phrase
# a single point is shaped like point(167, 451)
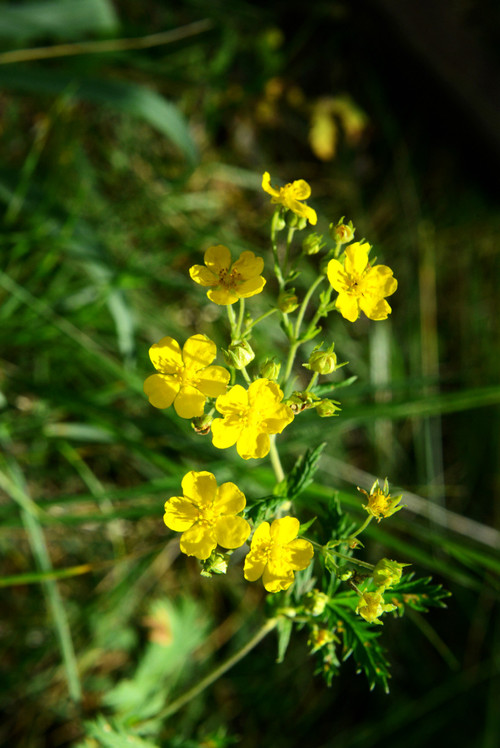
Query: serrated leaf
point(419, 594)
point(303, 472)
point(324, 389)
point(284, 629)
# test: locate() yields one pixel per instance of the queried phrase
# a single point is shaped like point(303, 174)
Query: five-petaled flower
point(229, 282)
point(371, 606)
point(360, 285)
point(291, 196)
point(207, 515)
point(276, 553)
point(185, 379)
point(249, 417)
point(380, 502)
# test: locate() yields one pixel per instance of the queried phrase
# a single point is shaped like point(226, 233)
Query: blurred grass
point(108, 196)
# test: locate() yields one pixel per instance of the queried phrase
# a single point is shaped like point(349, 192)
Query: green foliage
point(302, 473)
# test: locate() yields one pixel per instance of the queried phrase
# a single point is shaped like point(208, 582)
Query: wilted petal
point(198, 541)
point(198, 352)
point(161, 390)
point(166, 356)
point(190, 402)
point(200, 486)
point(180, 513)
point(231, 532)
point(213, 381)
point(217, 258)
point(301, 189)
point(267, 187)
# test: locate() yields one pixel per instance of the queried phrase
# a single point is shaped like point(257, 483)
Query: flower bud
point(322, 362)
point(319, 638)
point(312, 244)
point(299, 401)
point(316, 602)
point(327, 408)
point(214, 564)
point(270, 369)
point(341, 232)
point(387, 573)
point(288, 301)
point(201, 424)
point(239, 355)
point(293, 221)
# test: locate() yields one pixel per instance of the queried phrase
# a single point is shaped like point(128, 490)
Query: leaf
point(419, 594)
point(129, 98)
point(327, 387)
point(303, 472)
point(284, 629)
point(65, 19)
point(112, 735)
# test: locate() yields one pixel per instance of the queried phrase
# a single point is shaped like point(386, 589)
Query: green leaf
point(129, 98)
point(284, 629)
point(112, 735)
point(65, 19)
point(303, 472)
point(419, 594)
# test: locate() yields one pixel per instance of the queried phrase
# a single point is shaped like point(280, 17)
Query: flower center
point(207, 515)
point(229, 278)
point(378, 503)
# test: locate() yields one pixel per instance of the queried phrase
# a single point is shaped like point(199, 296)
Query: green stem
point(289, 239)
point(240, 318)
point(274, 245)
point(313, 381)
point(275, 460)
point(232, 321)
point(351, 559)
point(219, 671)
point(305, 302)
point(320, 312)
point(289, 364)
point(259, 319)
point(361, 528)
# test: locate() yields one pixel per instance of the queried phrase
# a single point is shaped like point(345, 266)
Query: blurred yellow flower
point(371, 606)
point(249, 417)
point(206, 515)
point(380, 503)
point(361, 286)
point(290, 197)
point(229, 282)
point(276, 553)
point(185, 379)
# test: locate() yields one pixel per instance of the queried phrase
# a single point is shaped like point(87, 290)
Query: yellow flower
point(185, 379)
point(229, 282)
point(361, 286)
point(206, 515)
point(380, 503)
point(276, 553)
point(290, 197)
point(371, 606)
point(249, 417)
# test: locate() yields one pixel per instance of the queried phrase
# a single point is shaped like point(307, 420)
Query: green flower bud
point(316, 602)
point(270, 369)
point(319, 638)
point(239, 355)
point(299, 401)
point(341, 232)
point(312, 244)
point(327, 408)
point(288, 301)
point(387, 573)
point(201, 424)
point(215, 564)
point(293, 221)
point(322, 362)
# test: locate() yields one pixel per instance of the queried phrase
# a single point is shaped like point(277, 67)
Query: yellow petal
point(200, 487)
point(231, 532)
point(251, 444)
point(254, 567)
point(356, 258)
point(203, 276)
point(284, 530)
point(279, 419)
point(380, 281)
point(348, 306)
point(190, 402)
point(198, 541)
point(161, 390)
point(222, 296)
point(166, 356)
point(198, 352)
point(300, 553)
point(224, 434)
point(264, 394)
point(262, 535)
point(229, 500)
point(180, 513)
point(248, 265)
point(251, 287)
point(213, 381)
point(375, 309)
point(276, 583)
point(301, 189)
point(266, 185)
point(233, 402)
point(336, 276)
point(217, 258)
